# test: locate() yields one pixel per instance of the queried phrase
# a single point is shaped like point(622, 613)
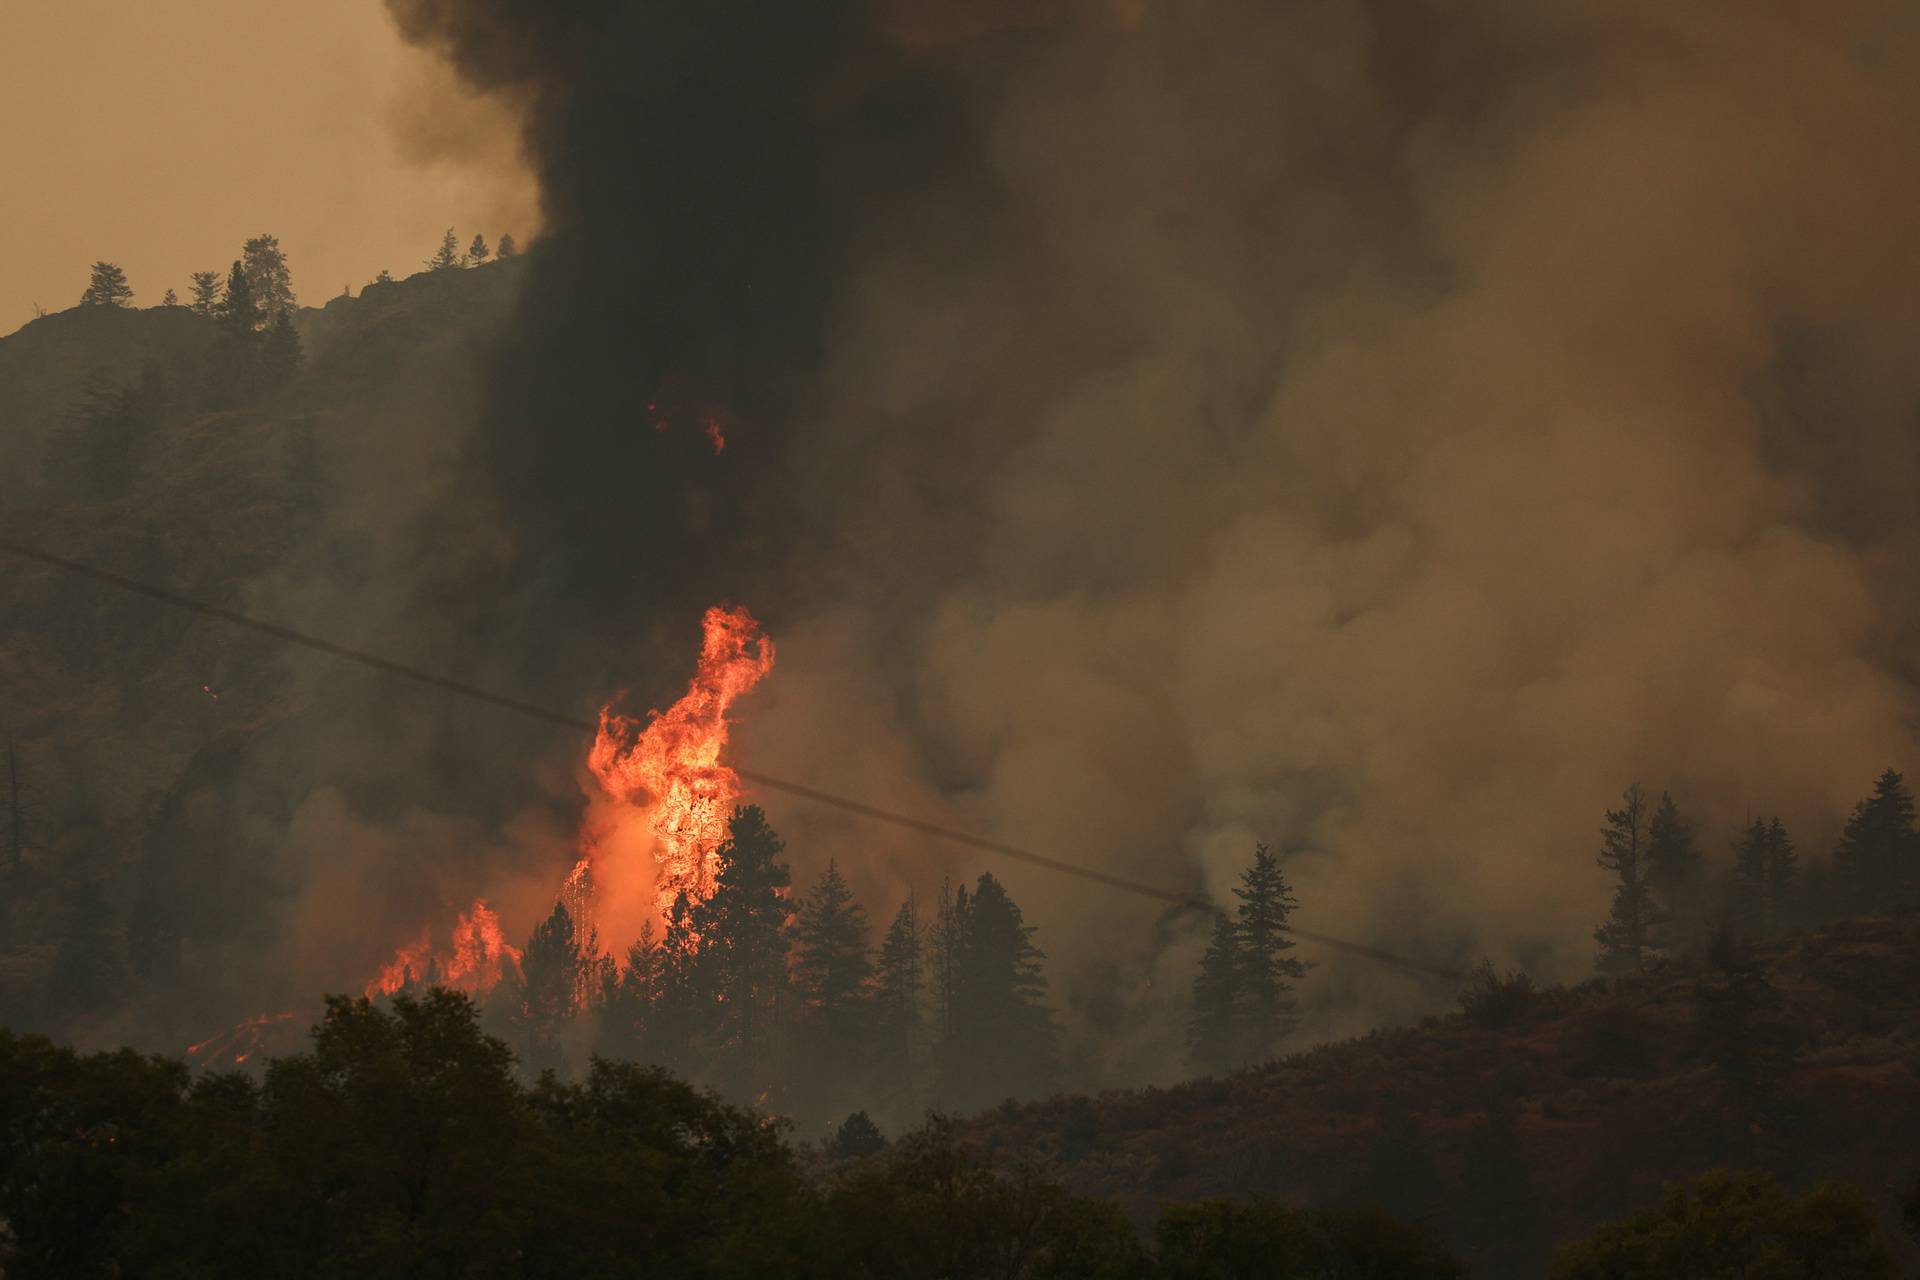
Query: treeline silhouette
point(785, 1002)
point(250, 352)
point(403, 1143)
point(1670, 899)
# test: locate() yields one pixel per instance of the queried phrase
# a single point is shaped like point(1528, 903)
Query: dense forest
point(402, 1144)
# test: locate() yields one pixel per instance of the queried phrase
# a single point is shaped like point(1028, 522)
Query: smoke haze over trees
point(1230, 422)
point(1150, 432)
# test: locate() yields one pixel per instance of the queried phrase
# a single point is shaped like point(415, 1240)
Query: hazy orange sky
point(160, 135)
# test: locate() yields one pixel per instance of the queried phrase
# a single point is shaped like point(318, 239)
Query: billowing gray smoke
point(1383, 430)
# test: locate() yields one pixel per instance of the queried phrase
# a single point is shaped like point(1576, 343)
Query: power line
point(534, 711)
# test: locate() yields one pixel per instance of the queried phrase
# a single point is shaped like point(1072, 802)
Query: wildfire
point(670, 768)
point(711, 424)
point(664, 793)
point(475, 962)
point(239, 1042)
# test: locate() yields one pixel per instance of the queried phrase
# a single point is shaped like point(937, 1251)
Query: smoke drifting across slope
point(1384, 430)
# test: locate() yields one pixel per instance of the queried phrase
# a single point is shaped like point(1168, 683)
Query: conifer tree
point(107, 288)
point(946, 948)
point(680, 994)
point(1216, 1035)
point(385, 277)
point(169, 299)
point(550, 990)
point(239, 312)
point(831, 967)
point(832, 975)
point(627, 999)
point(1266, 972)
point(477, 252)
point(207, 292)
point(899, 1015)
point(1783, 878)
point(269, 279)
point(1877, 861)
point(507, 248)
point(448, 257)
point(1003, 1037)
point(1675, 876)
point(742, 928)
point(1747, 888)
point(1627, 938)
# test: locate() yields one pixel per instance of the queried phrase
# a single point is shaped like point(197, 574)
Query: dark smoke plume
point(1382, 429)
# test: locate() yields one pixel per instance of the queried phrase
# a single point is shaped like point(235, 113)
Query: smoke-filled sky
point(1383, 430)
point(160, 136)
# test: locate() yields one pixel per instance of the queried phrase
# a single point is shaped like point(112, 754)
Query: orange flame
point(671, 768)
point(475, 962)
point(241, 1041)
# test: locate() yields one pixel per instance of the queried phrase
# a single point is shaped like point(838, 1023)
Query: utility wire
point(534, 711)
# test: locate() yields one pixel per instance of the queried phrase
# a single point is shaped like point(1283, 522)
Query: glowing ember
point(671, 768)
point(715, 435)
point(475, 962)
point(210, 693)
point(240, 1042)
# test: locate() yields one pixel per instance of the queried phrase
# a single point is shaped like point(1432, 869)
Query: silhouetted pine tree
point(448, 255)
point(1676, 877)
point(1747, 884)
point(1627, 938)
point(169, 299)
point(832, 974)
point(1003, 1037)
point(681, 994)
point(830, 965)
point(107, 287)
point(477, 252)
point(743, 945)
point(208, 289)
point(1783, 879)
point(508, 248)
point(1216, 1030)
point(627, 1010)
point(269, 279)
point(899, 1004)
point(239, 310)
point(1266, 972)
point(1877, 861)
point(550, 989)
point(945, 947)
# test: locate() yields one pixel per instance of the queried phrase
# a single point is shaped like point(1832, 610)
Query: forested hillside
point(146, 744)
point(1530, 1115)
